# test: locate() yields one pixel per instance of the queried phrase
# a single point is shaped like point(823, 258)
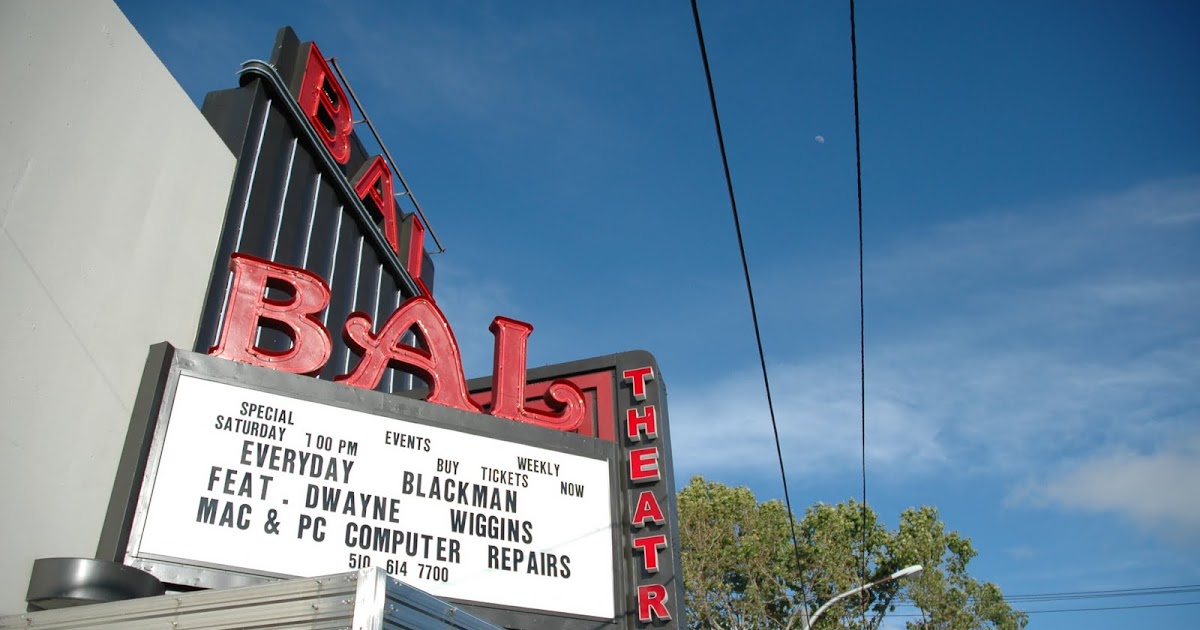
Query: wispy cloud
point(1155, 489)
point(1021, 552)
point(472, 72)
point(470, 305)
point(999, 346)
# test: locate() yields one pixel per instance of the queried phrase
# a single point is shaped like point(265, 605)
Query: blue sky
point(1031, 187)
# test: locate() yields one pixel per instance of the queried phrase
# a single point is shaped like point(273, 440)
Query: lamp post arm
point(855, 591)
point(826, 605)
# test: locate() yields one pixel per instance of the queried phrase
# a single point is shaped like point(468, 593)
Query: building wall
point(112, 195)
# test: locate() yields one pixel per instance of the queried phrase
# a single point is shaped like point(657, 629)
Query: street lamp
point(905, 572)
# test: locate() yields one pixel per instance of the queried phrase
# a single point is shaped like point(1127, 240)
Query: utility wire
point(1181, 589)
point(1030, 598)
point(1063, 610)
point(1130, 592)
point(737, 224)
point(862, 336)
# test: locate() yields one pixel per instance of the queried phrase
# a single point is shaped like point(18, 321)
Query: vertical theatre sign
point(279, 447)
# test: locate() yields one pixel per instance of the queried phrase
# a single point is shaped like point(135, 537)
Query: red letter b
point(249, 305)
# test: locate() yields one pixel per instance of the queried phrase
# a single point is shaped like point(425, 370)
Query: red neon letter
point(508, 378)
point(374, 182)
point(249, 306)
point(438, 363)
point(650, 546)
point(647, 510)
point(635, 424)
point(652, 599)
point(638, 377)
point(324, 102)
point(412, 235)
point(643, 464)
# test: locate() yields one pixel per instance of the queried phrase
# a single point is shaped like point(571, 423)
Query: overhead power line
point(1063, 610)
point(862, 310)
point(1067, 610)
point(1063, 596)
point(1120, 592)
point(737, 224)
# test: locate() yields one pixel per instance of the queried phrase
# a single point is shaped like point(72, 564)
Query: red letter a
point(440, 366)
point(374, 182)
point(249, 306)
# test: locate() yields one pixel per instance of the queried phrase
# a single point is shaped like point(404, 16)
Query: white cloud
point(726, 428)
point(995, 346)
point(1021, 552)
point(1156, 490)
point(473, 72)
point(932, 405)
point(1047, 244)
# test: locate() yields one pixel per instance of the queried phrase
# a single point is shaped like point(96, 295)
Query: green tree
point(740, 567)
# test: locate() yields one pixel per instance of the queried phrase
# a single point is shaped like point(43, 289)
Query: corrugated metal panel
point(409, 608)
point(364, 600)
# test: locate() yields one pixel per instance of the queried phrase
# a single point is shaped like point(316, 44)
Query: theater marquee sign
point(264, 474)
point(292, 442)
point(235, 473)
